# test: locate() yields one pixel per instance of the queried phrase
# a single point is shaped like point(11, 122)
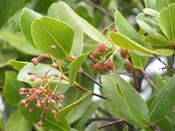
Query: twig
point(89, 91)
point(89, 77)
point(148, 79)
point(99, 8)
point(170, 68)
point(134, 75)
point(110, 124)
point(154, 128)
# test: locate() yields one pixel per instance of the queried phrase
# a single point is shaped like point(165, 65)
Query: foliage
point(65, 66)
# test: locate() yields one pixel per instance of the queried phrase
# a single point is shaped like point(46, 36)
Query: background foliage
point(113, 60)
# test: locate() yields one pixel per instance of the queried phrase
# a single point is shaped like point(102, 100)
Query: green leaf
point(87, 115)
point(63, 12)
point(138, 60)
point(125, 128)
point(75, 66)
point(40, 69)
point(129, 44)
point(159, 82)
point(7, 54)
point(11, 88)
point(163, 101)
point(124, 100)
point(151, 12)
point(92, 127)
point(26, 20)
point(18, 65)
point(150, 26)
point(150, 3)
point(19, 43)
point(8, 8)
point(60, 12)
point(167, 22)
point(126, 29)
point(63, 112)
point(73, 129)
point(18, 123)
point(48, 122)
point(78, 112)
point(48, 31)
point(159, 4)
point(165, 124)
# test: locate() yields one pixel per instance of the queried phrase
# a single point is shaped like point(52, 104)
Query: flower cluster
point(42, 96)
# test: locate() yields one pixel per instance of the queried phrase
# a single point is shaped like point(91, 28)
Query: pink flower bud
point(23, 101)
point(31, 110)
point(32, 79)
point(21, 93)
point(53, 112)
point(54, 65)
point(22, 89)
point(60, 106)
point(52, 101)
point(38, 105)
point(52, 47)
point(40, 123)
point(61, 96)
point(34, 61)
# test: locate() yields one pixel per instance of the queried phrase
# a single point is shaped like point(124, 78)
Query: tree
point(63, 69)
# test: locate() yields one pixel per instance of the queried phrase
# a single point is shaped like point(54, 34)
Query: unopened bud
point(60, 106)
point(23, 102)
point(40, 123)
point(34, 61)
point(54, 112)
point(52, 47)
point(54, 65)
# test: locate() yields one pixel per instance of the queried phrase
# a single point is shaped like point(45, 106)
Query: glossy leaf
point(150, 3)
point(18, 123)
point(63, 112)
point(76, 22)
point(8, 8)
point(88, 114)
point(159, 81)
point(92, 127)
point(48, 122)
point(151, 12)
point(167, 22)
point(159, 4)
point(129, 44)
point(40, 69)
point(125, 128)
point(18, 64)
point(163, 101)
point(11, 88)
point(19, 43)
point(73, 129)
point(150, 26)
point(75, 66)
point(124, 100)
point(126, 29)
point(7, 54)
point(78, 112)
point(26, 20)
point(56, 11)
point(138, 60)
point(48, 31)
